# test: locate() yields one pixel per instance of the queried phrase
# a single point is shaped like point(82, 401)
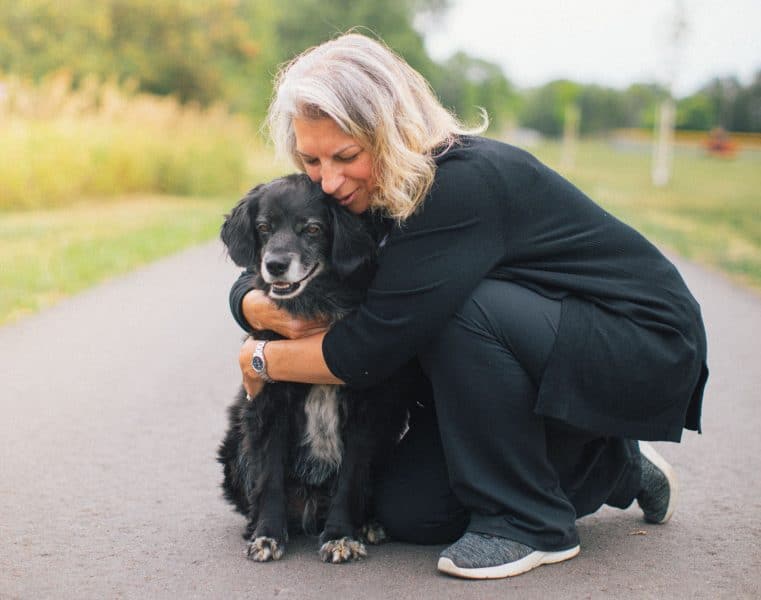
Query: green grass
point(710, 212)
point(50, 254)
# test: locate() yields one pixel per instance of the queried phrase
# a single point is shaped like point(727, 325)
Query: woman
point(550, 335)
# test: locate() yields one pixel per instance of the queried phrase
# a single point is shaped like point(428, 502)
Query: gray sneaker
point(657, 499)
point(481, 556)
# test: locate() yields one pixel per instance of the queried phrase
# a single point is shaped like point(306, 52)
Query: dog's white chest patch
point(323, 427)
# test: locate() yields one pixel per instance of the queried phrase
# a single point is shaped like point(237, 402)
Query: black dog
point(300, 452)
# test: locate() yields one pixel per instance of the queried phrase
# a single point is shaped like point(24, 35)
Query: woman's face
point(336, 161)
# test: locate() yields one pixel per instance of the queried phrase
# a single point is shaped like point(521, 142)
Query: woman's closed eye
point(309, 160)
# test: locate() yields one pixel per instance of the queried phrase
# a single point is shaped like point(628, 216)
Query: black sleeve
point(426, 270)
point(240, 288)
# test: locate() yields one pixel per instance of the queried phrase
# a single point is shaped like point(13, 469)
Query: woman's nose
point(331, 179)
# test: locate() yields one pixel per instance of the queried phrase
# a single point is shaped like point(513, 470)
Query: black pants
point(480, 459)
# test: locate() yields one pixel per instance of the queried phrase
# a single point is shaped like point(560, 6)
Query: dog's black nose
point(277, 265)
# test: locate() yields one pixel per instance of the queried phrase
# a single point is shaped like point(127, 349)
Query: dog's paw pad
point(373, 533)
point(343, 550)
point(264, 549)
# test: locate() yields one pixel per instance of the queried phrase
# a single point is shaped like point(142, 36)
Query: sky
point(608, 42)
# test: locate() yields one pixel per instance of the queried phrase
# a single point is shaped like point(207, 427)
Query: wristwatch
point(259, 364)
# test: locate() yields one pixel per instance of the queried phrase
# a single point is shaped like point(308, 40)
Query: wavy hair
point(374, 96)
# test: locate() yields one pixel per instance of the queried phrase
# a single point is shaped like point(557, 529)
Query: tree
point(199, 51)
point(544, 108)
point(468, 84)
point(747, 107)
point(721, 93)
point(696, 112)
point(642, 100)
point(305, 23)
point(602, 109)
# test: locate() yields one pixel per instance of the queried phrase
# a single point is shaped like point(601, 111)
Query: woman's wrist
point(298, 360)
point(259, 362)
point(251, 380)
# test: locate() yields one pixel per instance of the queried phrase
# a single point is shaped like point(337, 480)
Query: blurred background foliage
point(129, 127)
point(228, 51)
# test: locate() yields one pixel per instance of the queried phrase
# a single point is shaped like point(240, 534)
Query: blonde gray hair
point(374, 96)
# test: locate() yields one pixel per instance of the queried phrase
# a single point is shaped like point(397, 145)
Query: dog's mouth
point(287, 289)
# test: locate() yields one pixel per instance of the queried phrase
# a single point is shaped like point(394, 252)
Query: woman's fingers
point(263, 314)
point(299, 328)
point(256, 306)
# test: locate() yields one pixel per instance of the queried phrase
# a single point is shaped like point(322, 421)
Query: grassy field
point(711, 213)
point(50, 254)
point(60, 144)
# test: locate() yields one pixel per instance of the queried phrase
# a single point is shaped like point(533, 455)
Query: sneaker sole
point(650, 454)
point(533, 560)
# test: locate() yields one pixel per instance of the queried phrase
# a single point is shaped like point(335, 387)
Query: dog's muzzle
point(290, 288)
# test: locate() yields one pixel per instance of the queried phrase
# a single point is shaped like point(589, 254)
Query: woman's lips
point(346, 200)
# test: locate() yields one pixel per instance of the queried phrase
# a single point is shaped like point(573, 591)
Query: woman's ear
point(238, 232)
point(353, 248)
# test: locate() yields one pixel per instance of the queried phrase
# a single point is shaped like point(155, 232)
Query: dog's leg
point(338, 541)
point(232, 456)
point(372, 532)
point(268, 528)
point(385, 406)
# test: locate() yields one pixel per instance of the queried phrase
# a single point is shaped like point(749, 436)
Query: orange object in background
point(720, 144)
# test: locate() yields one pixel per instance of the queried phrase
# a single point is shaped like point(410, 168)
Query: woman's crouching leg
point(485, 367)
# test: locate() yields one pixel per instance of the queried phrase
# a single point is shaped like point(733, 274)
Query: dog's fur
point(300, 452)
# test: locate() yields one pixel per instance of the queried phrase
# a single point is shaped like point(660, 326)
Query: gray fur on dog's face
point(283, 231)
point(289, 232)
point(294, 236)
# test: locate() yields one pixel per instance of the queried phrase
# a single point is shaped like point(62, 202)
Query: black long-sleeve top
point(630, 355)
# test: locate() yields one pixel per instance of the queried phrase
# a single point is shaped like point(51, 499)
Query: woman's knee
point(467, 326)
point(498, 316)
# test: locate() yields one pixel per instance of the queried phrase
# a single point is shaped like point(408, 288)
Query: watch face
point(257, 363)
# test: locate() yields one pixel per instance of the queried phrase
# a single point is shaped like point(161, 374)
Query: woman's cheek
point(312, 172)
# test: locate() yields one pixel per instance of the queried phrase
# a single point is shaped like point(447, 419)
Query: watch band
point(259, 363)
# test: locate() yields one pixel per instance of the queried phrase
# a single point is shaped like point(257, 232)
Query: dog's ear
point(353, 248)
point(238, 230)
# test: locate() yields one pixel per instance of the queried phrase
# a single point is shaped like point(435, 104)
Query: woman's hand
point(262, 313)
point(251, 380)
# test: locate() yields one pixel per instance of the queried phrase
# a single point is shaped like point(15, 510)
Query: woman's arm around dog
point(310, 368)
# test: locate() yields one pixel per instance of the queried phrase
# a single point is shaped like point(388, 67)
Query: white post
point(663, 151)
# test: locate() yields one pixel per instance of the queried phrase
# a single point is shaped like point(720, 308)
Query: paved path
point(113, 404)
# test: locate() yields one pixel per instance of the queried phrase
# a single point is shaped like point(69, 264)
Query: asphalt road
point(113, 404)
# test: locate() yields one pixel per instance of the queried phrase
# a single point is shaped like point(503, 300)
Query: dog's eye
point(313, 229)
point(263, 228)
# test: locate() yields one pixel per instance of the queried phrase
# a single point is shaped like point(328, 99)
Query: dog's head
point(290, 232)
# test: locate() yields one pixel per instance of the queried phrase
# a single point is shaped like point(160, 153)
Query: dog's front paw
point(373, 533)
point(342, 550)
point(264, 549)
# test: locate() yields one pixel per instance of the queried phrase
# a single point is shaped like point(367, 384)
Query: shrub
point(103, 139)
